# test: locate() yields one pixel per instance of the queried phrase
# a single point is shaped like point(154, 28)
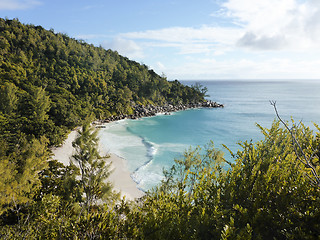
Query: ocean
point(151, 144)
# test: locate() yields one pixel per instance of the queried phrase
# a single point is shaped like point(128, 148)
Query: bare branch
point(304, 159)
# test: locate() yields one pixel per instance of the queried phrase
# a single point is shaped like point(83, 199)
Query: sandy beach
point(120, 177)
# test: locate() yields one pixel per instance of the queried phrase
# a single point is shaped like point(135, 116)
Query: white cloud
point(259, 25)
point(262, 42)
point(284, 34)
point(276, 24)
point(188, 34)
point(257, 15)
point(18, 4)
point(160, 66)
point(246, 68)
point(91, 36)
point(190, 40)
point(274, 68)
point(125, 47)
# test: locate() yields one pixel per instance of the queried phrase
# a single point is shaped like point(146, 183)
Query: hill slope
point(50, 82)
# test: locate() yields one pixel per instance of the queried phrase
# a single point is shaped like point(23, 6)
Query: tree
point(8, 98)
point(93, 169)
point(262, 194)
point(200, 90)
point(39, 104)
point(60, 180)
point(311, 160)
point(19, 173)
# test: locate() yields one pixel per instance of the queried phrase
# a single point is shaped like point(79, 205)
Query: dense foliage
point(94, 171)
point(50, 83)
point(263, 193)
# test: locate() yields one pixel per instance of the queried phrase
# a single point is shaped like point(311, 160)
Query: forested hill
point(51, 82)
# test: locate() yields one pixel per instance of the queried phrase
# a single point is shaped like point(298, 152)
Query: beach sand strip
point(120, 176)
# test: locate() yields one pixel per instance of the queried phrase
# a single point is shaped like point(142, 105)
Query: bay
point(151, 144)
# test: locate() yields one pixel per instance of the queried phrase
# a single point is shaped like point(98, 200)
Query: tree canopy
point(50, 83)
point(262, 193)
point(93, 168)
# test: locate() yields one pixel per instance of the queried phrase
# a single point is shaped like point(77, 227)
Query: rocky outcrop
point(151, 110)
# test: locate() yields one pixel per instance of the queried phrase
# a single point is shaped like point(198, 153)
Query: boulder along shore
point(121, 178)
point(151, 110)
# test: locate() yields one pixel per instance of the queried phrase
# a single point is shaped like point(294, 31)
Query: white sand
point(63, 153)
point(120, 177)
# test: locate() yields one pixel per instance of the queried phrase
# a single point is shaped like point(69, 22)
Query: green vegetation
point(264, 193)
point(51, 83)
point(94, 171)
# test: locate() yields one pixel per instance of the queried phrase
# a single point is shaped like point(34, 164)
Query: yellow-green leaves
point(19, 172)
point(94, 170)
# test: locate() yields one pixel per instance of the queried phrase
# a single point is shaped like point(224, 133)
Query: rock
point(151, 110)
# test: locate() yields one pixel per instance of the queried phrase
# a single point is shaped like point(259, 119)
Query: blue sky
point(194, 40)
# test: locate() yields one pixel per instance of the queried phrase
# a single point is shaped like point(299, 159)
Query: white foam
point(146, 179)
point(116, 139)
point(151, 147)
point(152, 151)
point(139, 152)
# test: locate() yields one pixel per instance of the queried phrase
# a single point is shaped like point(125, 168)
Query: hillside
point(51, 82)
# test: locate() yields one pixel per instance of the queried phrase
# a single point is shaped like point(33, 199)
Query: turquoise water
point(151, 144)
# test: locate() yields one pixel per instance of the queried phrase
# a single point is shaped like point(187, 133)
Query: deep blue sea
point(151, 144)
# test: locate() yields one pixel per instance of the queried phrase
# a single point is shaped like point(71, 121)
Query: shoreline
point(119, 177)
point(152, 110)
point(122, 180)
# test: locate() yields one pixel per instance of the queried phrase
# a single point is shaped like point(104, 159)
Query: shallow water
point(151, 144)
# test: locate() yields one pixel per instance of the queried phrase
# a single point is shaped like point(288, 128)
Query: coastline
point(152, 110)
point(120, 176)
point(121, 179)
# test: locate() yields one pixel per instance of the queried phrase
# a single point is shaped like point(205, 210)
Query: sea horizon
point(151, 144)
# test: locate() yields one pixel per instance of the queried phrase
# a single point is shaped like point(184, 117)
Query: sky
point(191, 39)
